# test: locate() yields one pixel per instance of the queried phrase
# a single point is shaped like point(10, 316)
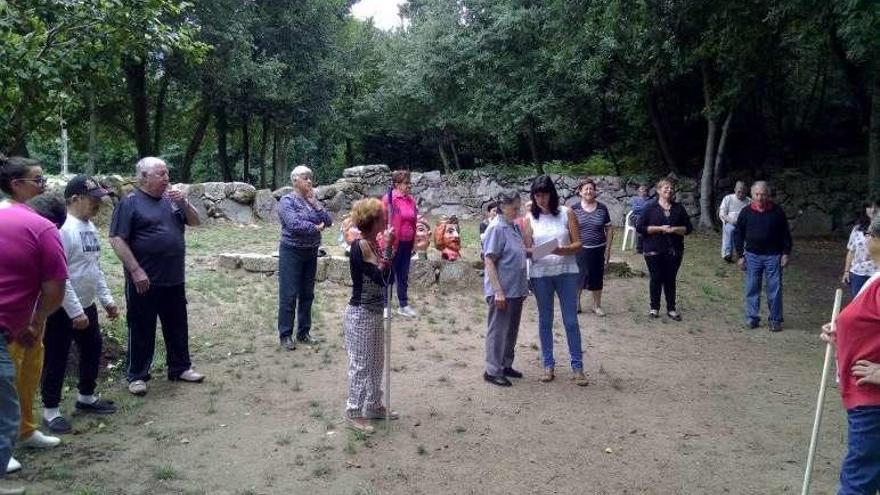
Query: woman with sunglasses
point(33, 271)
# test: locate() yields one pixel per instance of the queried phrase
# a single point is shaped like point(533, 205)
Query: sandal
point(548, 375)
point(579, 379)
point(360, 424)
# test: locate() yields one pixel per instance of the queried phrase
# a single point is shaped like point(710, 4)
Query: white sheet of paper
point(544, 249)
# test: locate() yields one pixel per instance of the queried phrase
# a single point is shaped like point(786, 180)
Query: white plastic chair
point(629, 233)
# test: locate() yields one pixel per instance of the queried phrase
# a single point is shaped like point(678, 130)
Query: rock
point(365, 170)
point(215, 191)
point(233, 211)
point(324, 193)
point(456, 274)
point(266, 206)
point(281, 192)
point(229, 261)
point(616, 209)
point(259, 263)
point(423, 273)
point(195, 195)
point(337, 270)
point(337, 203)
point(241, 193)
point(376, 190)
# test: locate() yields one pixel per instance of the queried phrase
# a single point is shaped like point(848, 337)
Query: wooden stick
point(388, 366)
point(820, 401)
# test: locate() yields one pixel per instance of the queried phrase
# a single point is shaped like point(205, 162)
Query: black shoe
point(512, 373)
point(497, 380)
point(775, 327)
point(58, 425)
point(728, 258)
point(100, 406)
point(752, 324)
point(308, 340)
point(288, 343)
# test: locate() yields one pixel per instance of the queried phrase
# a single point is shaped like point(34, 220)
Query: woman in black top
point(370, 269)
point(664, 223)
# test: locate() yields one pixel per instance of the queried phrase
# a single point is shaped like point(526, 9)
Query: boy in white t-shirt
point(77, 319)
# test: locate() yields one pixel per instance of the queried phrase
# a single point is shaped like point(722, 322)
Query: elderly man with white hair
point(147, 234)
point(303, 219)
point(728, 212)
point(763, 244)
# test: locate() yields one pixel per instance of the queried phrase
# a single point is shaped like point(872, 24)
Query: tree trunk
point(533, 146)
point(349, 153)
point(707, 181)
point(246, 148)
point(93, 131)
point(443, 156)
point(279, 170)
point(196, 142)
point(874, 140)
point(661, 132)
point(264, 141)
point(222, 128)
point(454, 154)
point(159, 114)
point(136, 82)
point(722, 143)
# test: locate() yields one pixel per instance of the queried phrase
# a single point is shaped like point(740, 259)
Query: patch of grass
point(284, 440)
point(321, 470)
point(420, 450)
point(166, 473)
point(350, 446)
point(212, 405)
point(460, 429)
point(297, 385)
point(57, 473)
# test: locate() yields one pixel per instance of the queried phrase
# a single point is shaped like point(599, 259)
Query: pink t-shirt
point(30, 253)
point(403, 215)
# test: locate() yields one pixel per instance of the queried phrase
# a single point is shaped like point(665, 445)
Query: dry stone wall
point(814, 207)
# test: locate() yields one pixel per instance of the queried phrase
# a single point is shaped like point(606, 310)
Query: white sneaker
point(138, 387)
point(38, 440)
point(408, 312)
point(13, 466)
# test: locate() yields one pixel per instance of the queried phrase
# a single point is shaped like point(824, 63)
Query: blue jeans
point(9, 411)
point(757, 267)
point(855, 283)
point(401, 271)
point(728, 230)
point(566, 287)
point(860, 472)
point(297, 269)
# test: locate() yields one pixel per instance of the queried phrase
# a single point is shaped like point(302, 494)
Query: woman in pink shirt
point(404, 214)
point(33, 270)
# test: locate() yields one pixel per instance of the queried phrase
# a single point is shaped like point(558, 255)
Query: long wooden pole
point(820, 401)
point(388, 292)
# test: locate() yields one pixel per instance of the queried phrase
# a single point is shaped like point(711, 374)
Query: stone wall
point(814, 206)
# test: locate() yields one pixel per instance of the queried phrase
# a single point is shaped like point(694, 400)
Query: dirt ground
point(697, 407)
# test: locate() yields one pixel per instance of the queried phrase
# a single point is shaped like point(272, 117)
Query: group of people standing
point(51, 283)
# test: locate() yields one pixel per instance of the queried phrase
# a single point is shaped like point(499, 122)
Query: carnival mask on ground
point(423, 238)
point(447, 239)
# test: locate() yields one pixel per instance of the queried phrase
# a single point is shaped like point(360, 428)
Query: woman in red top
point(404, 214)
point(857, 337)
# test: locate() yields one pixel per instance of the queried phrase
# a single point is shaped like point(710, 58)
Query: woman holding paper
point(552, 240)
point(858, 363)
point(664, 223)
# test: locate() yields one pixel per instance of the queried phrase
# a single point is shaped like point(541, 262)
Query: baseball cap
point(84, 185)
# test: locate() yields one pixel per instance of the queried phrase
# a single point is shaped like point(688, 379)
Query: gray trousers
point(501, 332)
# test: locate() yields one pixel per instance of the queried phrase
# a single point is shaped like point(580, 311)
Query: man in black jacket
point(763, 243)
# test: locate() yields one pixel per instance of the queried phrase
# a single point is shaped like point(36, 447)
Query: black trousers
point(57, 339)
point(663, 268)
point(168, 304)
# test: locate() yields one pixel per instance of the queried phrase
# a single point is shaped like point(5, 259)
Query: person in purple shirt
point(303, 219)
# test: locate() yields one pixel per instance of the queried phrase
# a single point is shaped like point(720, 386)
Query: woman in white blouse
point(556, 273)
point(859, 266)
